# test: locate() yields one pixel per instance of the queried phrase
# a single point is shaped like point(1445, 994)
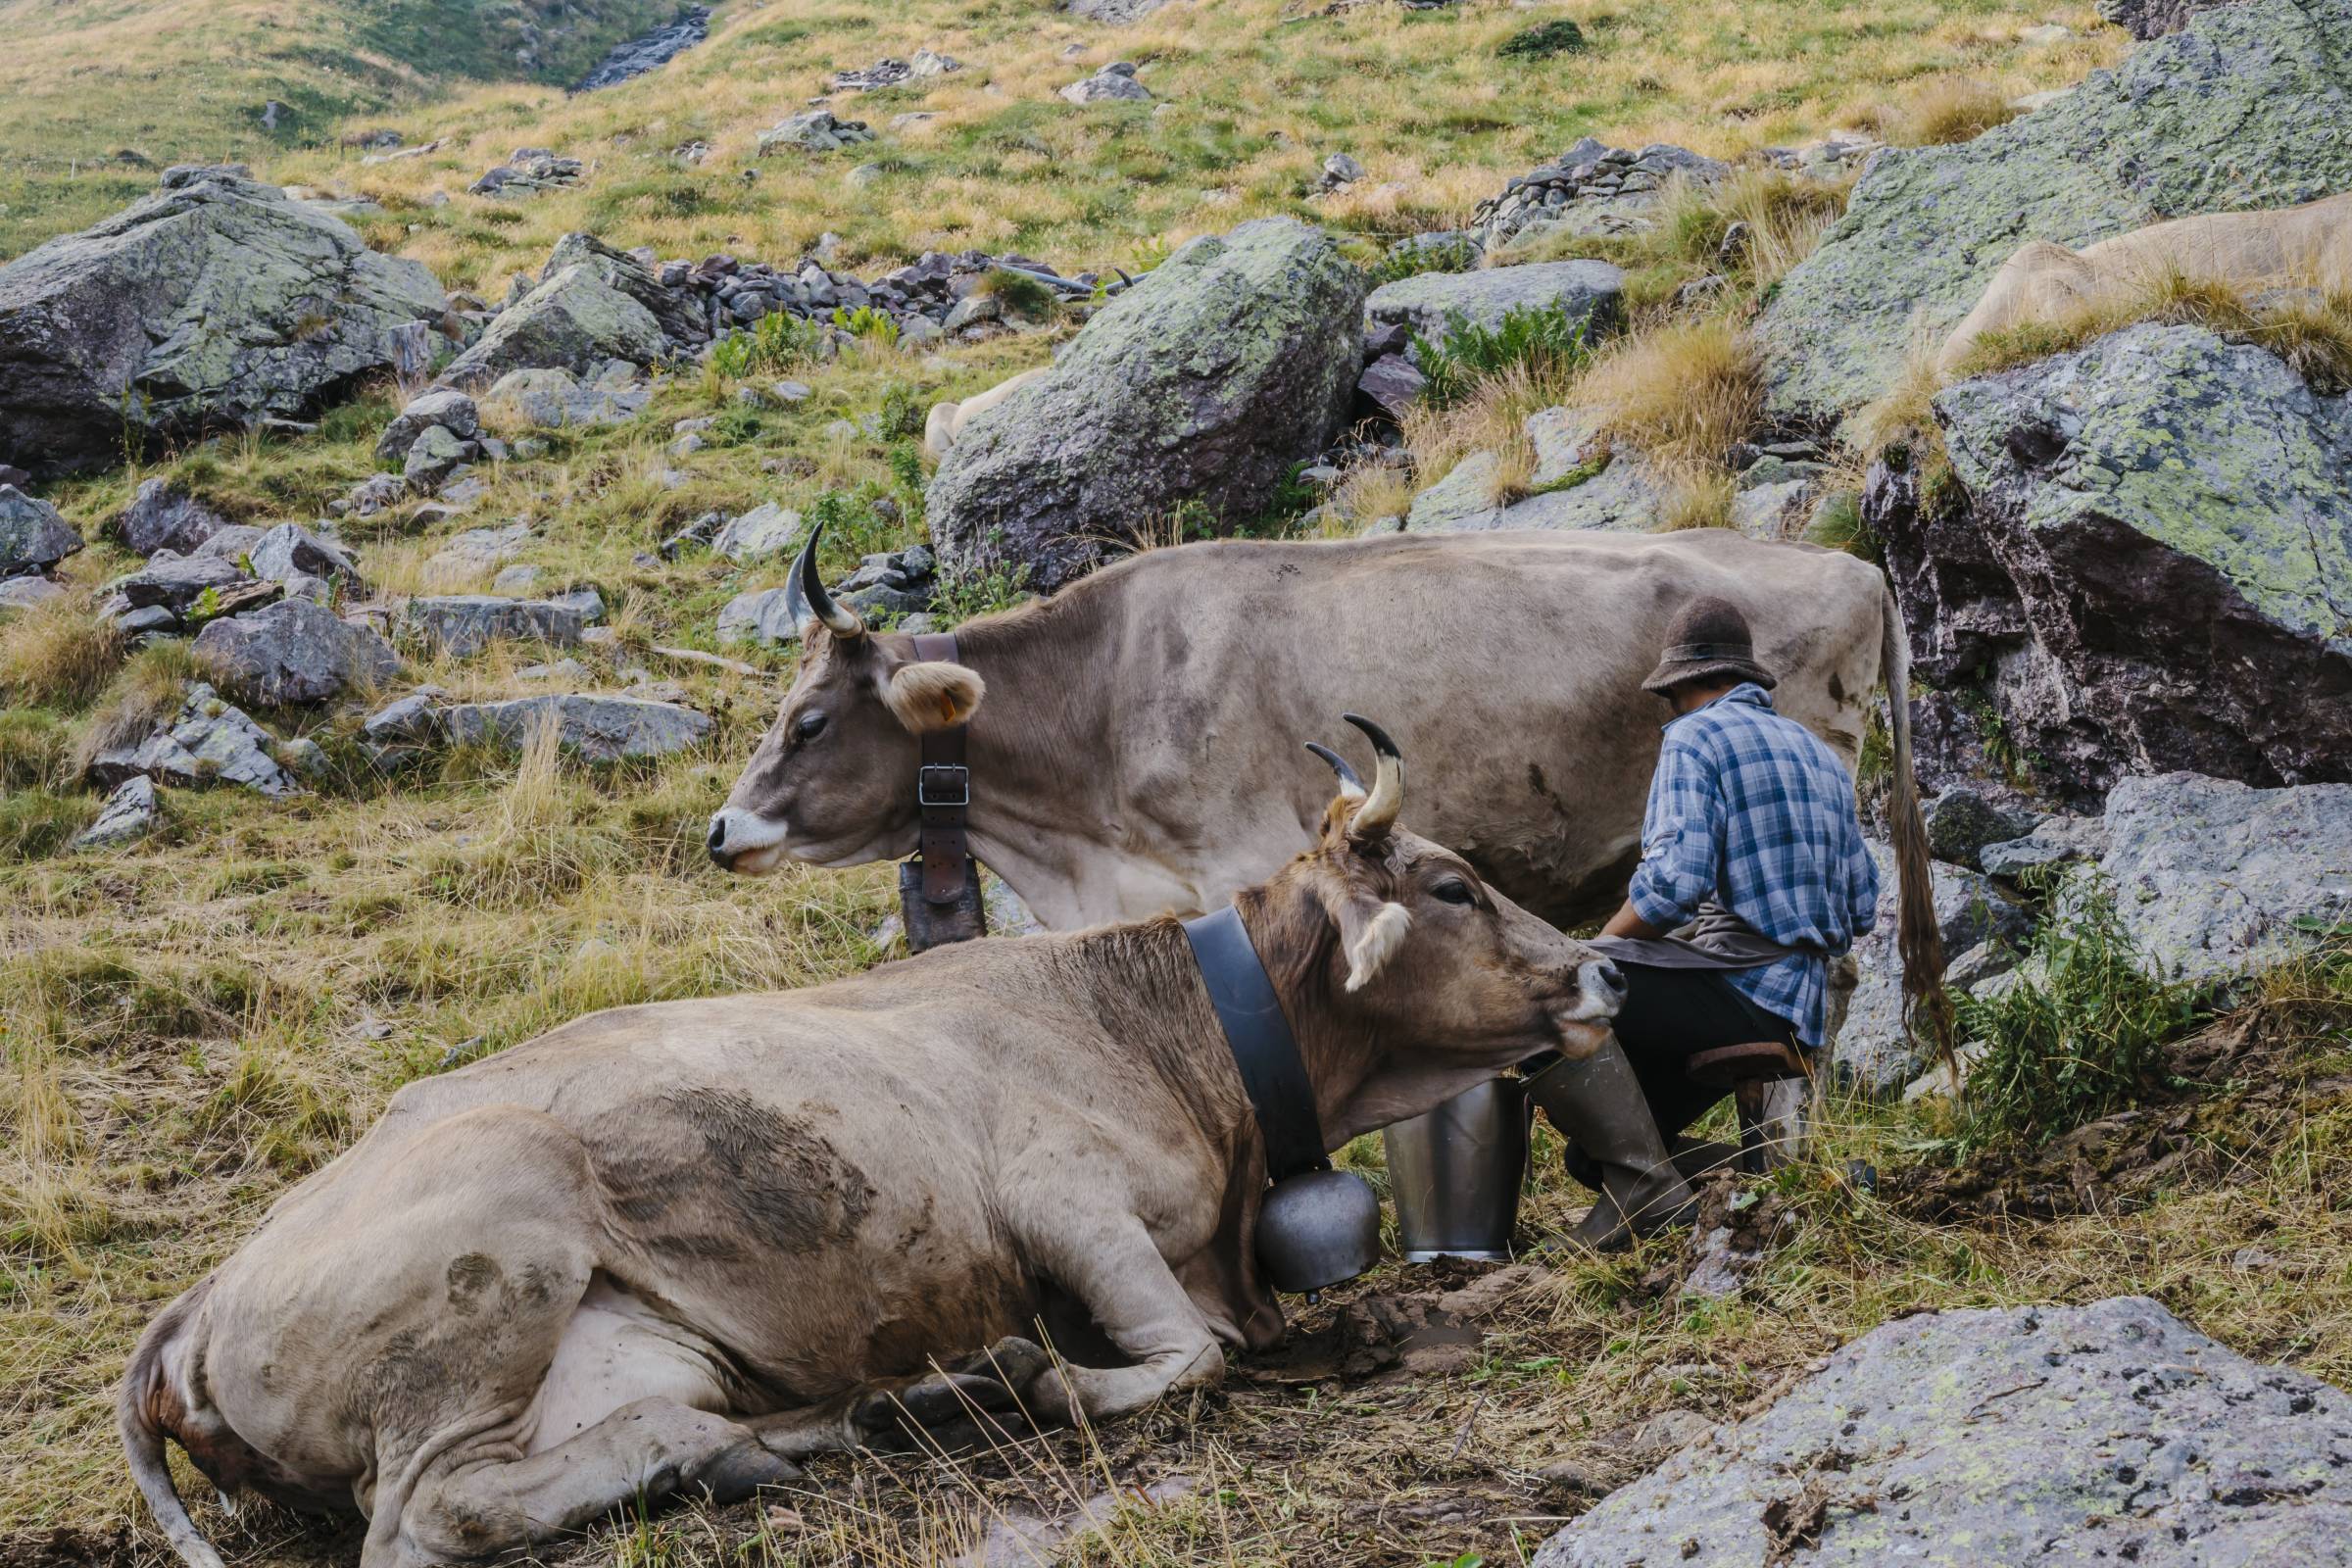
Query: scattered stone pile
point(528, 171)
point(650, 52)
point(1591, 189)
point(813, 130)
point(891, 72)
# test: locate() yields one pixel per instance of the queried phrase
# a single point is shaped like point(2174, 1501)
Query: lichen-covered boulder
point(1580, 482)
point(593, 305)
point(2154, 19)
point(215, 302)
point(34, 535)
point(461, 625)
point(2245, 108)
point(1202, 386)
point(598, 728)
point(442, 407)
point(2108, 1433)
point(2215, 881)
point(2152, 563)
point(207, 742)
point(1590, 294)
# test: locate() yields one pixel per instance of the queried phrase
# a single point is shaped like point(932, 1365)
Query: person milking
point(1754, 876)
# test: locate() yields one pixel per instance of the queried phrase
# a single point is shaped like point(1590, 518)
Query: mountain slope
point(92, 94)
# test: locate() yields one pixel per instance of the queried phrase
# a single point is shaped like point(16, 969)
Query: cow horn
point(1377, 813)
point(1350, 784)
point(815, 603)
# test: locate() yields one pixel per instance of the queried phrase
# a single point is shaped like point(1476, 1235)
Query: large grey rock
point(2111, 1432)
point(177, 583)
point(161, 518)
point(2154, 19)
point(293, 650)
point(475, 553)
point(1231, 362)
point(1590, 293)
point(23, 593)
point(435, 456)
point(461, 625)
point(2216, 880)
point(2054, 841)
point(766, 616)
point(33, 536)
point(215, 301)
point(2154, 562)
point(600, 729)
point(207, 742)
point(442, 407)
point(767, 531)
point(551, 398)
point(129, 814)
point(290, 550)
point(2245, 108)
point(1113, 83)
point(593, 305)
point(1961, 822)
point(1970, 912)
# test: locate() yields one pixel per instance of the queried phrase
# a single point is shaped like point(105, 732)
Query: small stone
point(765, 531)
point(461, 625)
point(518, 580)
point(290, 548)
point(34, 537)
point(129, 813)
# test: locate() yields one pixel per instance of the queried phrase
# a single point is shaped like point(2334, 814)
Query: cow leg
point(1110, 1263)
point(645, 1450)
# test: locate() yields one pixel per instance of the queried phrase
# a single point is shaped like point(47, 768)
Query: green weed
point(1545, 340)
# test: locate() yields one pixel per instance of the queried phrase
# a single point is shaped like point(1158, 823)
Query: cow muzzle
point(1583, 1020)
point(744, 842)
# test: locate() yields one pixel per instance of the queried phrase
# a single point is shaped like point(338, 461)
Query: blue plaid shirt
point(1751, 810)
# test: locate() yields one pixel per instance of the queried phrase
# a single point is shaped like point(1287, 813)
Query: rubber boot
point(1598, 1105)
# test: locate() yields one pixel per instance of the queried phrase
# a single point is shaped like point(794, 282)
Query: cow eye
point(1454, 889)
point(811, 726)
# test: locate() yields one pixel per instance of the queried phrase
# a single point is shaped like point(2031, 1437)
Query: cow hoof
point(1012, 1361)
point(743, 1470)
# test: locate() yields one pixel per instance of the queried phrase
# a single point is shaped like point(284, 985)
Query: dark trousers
point(1671, 1014)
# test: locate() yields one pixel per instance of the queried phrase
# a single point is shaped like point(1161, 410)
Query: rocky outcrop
point(441, 408)
point(1590, 190)
point(292, 651)
point(2243, 110)
point(650, 52)
point(215, 302)
point(2155, 18)
point(1580, 481)
point(593, 305)
point(207, 742)
point(552, 399)
point(2107, 1432)
point(34, 535)
point(2216, 880)
point(2151, 570)
point(1234, 359)
point(528, 171)
point(1590, 294)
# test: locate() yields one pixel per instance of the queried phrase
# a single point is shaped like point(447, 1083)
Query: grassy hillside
point(1253, 94)
point(97, 94)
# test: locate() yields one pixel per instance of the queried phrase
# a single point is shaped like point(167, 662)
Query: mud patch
point(1435, 1332)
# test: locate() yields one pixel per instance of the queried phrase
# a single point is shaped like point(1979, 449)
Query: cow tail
point(1918, 940)
point(143, 1439)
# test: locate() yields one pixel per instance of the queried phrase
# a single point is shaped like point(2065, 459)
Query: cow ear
point(932, 694)
point(1371, 930)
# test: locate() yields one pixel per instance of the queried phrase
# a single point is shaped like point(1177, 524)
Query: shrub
point(868, 324)
point(1542, 339)
point(1950, 108)
point(1544, 41)
point(774, 343)
point(1019, 293)
point(2076, 1033)
point(1410, 259)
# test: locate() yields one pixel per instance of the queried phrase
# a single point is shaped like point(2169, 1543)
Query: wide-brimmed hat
point(1708, 639)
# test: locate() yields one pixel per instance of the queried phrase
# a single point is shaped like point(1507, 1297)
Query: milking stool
point(1753, 1072)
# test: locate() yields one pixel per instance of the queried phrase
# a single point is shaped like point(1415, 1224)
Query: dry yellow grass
point(57, 652)
point(1683, 394)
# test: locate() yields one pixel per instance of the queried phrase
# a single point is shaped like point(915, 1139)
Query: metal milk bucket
point(1455, 1175)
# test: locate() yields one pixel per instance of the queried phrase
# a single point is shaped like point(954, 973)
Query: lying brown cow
point(676, 1247)
point(2043, 284)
